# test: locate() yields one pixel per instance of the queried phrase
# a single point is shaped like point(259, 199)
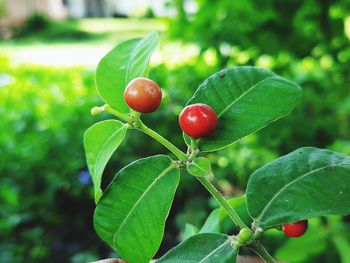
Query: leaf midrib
point(244, 93)
point(213, 251)
point(138, 46)
point(155, 180)
point(292, 182)
point(130, 60)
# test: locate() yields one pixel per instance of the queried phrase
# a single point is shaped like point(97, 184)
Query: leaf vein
point(171, 166)
point(292, 182)
point(244, 93)
point(214, 251)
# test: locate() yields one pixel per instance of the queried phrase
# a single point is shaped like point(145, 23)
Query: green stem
point(193, 154)
point(261, 251)
point(136, 115)
point(194, 144)
point(118, 114)
point(179, 154)
point(216, 194)
point(138, 124)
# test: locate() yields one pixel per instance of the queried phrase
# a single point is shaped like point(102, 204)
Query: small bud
point(96, 111)
point(245, 235)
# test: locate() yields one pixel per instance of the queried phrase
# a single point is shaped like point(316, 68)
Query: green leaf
point(128, 60)
point(203, 248)
point(131, 214)
point(190, 230)
point(199, 167)
point(246, 99)
point(306, 183)
point(100, 141)
point(212, 224)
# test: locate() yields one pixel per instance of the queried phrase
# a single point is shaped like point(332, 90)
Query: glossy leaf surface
point(202, 248)
point(245, 99)
point(306, 183)
point(131, 214)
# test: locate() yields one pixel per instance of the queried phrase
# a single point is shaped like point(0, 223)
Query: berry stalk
point(116, 113)
point(179, 154)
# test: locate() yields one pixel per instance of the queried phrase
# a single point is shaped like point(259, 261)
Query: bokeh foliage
point(45, 191)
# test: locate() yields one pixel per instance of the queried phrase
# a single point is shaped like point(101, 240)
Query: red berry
point(198, 120)
point(143, 95)
point(296, 229)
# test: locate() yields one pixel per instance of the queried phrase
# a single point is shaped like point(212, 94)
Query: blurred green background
point(47, 89)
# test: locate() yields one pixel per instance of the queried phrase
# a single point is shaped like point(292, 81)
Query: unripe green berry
point(244, 236)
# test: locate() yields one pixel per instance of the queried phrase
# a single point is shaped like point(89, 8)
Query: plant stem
point(256, 246)
point(118, 114)
point(136, 115)
point(194, 144)
point(138, 124)
point(179, 154)
point(216, 194)
point(193, 154)
point(261, 251)
point(192, 150)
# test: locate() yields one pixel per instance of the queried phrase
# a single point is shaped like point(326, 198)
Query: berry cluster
point(197, 121)
point(144, 95)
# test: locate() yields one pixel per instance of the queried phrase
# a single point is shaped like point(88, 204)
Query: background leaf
point(212, 224)
point(245, 99)
point(204, 248)
point(100, 141)
point(306, 183)
point(219, 221)
point(189, 231)
point(128, 60)
point(131, 214)
point(339, 237)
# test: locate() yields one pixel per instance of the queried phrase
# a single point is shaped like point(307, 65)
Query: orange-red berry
point(143, 95)
point(296, 229)
point(198, 120)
